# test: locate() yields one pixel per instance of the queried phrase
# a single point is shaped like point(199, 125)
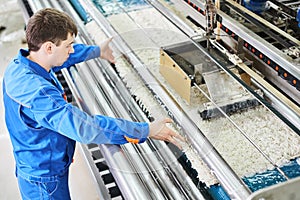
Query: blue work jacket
point(43, 127)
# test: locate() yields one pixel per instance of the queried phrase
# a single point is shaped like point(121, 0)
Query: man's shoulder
point(17, 73)
point(21, 84)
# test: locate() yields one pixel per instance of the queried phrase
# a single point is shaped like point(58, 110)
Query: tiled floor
point(81, 182)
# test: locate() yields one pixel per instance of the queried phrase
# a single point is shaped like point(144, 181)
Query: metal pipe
point(126, 177)
point(173, 18)
point(146, 175)
point(35, 5)
point(101, 189)
point(128, 182)
point(170, 162)
point(171, 189)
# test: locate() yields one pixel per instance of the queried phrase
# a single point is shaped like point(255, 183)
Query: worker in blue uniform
point(43, 127)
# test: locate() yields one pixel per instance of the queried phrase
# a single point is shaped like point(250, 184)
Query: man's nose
point(72, 50)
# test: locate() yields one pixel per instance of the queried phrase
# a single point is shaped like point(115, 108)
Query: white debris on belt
point(271, 135)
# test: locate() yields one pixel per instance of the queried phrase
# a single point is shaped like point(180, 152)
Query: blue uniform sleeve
point(81, 53)
point(52, 112)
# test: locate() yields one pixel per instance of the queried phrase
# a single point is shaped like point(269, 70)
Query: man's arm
point(86, 52)
point(52, 112)
point(81, 53)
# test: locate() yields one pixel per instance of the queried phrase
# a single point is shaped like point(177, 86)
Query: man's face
point(62, 52)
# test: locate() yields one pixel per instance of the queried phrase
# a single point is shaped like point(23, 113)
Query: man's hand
point(158, 130)
point(106, 52)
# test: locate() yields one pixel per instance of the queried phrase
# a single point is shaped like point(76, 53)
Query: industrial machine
point(228, 74)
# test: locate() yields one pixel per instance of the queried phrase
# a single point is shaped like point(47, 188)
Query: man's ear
point(48, 47)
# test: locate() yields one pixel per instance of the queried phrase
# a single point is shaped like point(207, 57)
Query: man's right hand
point(158, 130)
point(106, 52)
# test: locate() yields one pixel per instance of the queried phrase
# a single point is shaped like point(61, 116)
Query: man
point(43, 127)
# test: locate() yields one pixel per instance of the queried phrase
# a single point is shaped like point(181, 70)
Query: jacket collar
point(36, 68)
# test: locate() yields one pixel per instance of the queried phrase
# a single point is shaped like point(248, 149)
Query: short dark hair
point(48, 24)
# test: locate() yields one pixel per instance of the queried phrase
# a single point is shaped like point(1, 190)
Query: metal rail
point(274, 54)
point(264, 22)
